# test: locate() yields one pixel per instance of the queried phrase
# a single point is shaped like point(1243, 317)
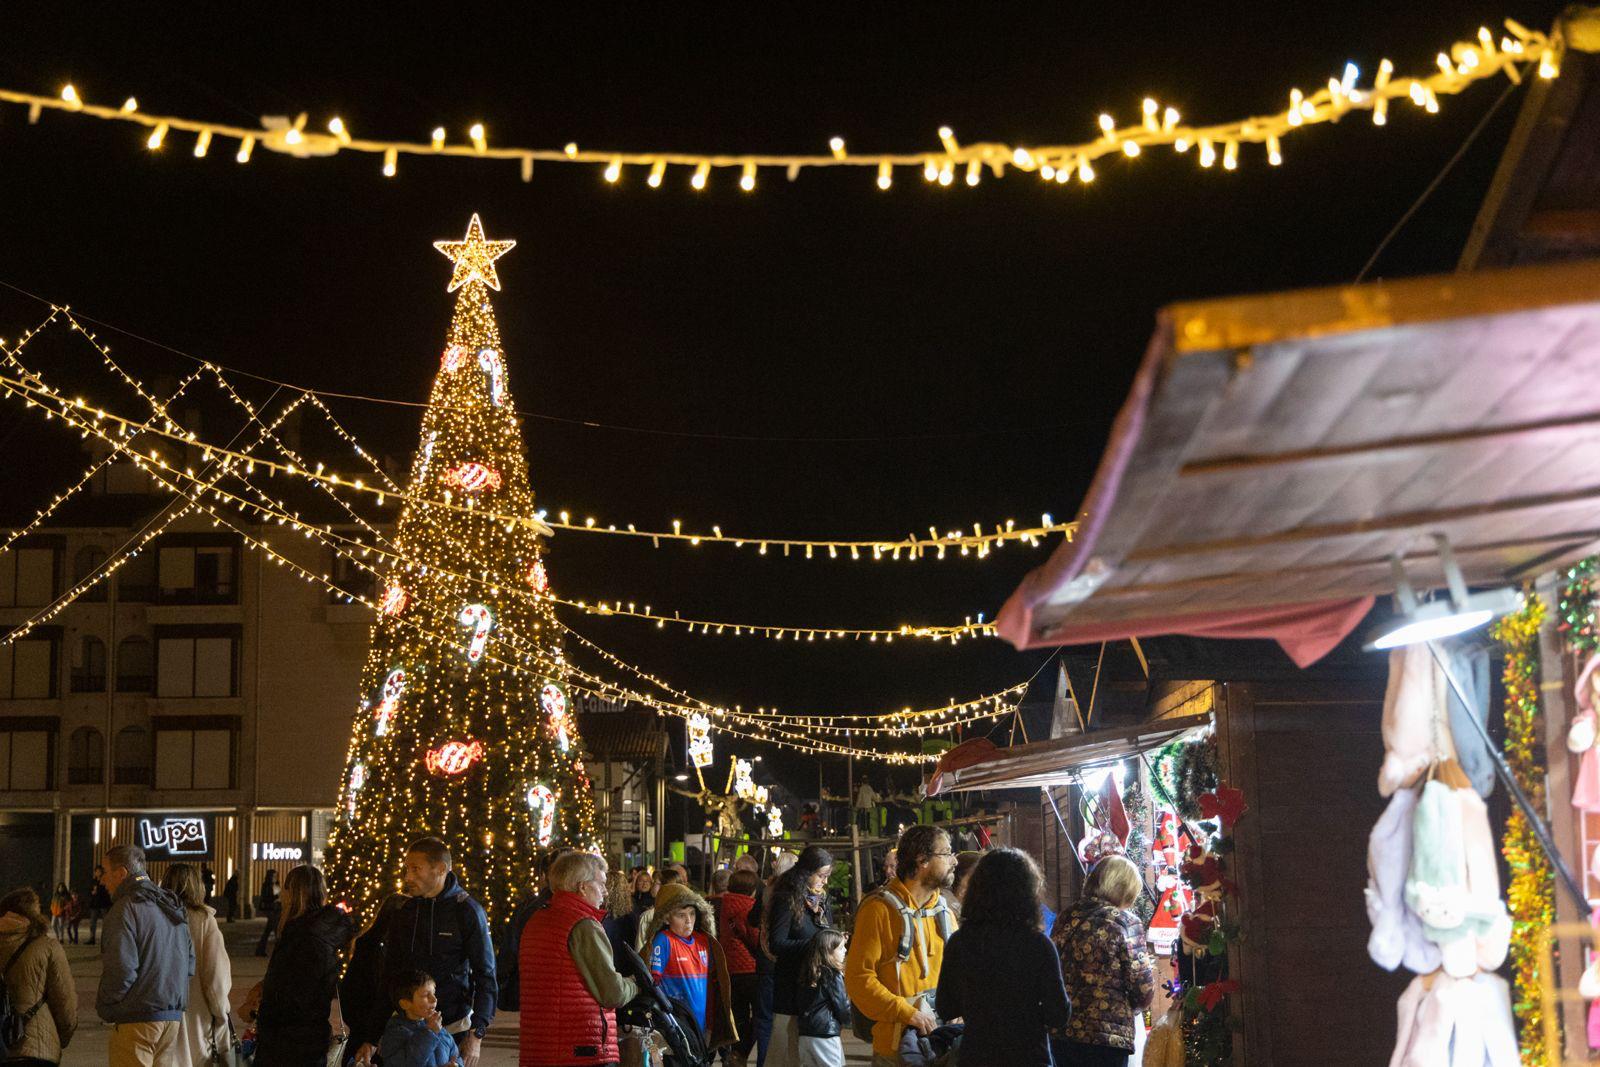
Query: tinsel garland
point(1137, 806)
point(1531, 893)
point(1580, 598)
point(1188, 769)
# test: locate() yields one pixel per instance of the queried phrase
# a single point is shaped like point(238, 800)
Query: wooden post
point(855, 856)
point(1557, 702)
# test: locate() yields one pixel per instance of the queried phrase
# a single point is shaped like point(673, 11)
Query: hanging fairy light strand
point(978, 543)
point(1459, 66)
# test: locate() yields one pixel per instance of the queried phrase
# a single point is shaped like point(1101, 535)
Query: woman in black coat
point(799, 908)
point(297, 994)
point(1001, 974)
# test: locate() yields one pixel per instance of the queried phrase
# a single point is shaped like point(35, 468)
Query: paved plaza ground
point(89, 1045)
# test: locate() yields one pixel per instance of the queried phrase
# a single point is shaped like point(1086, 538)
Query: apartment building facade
point(196, 702)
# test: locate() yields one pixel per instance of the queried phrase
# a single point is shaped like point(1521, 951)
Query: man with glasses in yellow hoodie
point(897, 947)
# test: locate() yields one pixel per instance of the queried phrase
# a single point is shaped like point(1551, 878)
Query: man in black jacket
point(445, 933)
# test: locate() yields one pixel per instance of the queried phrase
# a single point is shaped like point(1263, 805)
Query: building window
point(89, 671)
point(27, 754)
point(133, 756)
point(351, 579)
point(136, 579)
point(27, 577)
point(86, 757)
point(197, 664)
point(89, 561)
point(198, 574)
point(135, 666)
point(28, 669)
point(195, 753)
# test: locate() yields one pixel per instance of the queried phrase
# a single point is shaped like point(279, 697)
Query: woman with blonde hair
point(205, 1020)
point(1108, 971)
point(298, 992)
point(38, 981)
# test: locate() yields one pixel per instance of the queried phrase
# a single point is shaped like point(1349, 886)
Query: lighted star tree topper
point(464, 728)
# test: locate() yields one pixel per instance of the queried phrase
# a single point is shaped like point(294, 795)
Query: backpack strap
point(908, 926)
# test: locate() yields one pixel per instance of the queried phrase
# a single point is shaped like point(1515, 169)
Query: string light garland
point(980, 543)
point(1461, 65)
point(618, 609)
point(1532, 889)
point(769, 727)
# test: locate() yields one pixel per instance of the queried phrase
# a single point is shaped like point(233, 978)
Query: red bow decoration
point(1211, 995)
point(1225, 804)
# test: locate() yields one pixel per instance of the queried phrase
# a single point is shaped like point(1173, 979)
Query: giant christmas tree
point(465, 729)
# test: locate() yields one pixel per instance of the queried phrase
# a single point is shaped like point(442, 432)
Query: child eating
point(415, 1037)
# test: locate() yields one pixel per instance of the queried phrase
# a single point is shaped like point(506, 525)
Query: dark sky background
point(973, 344)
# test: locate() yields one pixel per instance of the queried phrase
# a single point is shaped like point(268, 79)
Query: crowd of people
point(952, 956)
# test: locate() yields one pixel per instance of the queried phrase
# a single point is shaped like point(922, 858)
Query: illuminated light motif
point(358, 779)
point(474, 477)
point(427, 450)
point(480, 620)
point(474, 257)
point(554, 699)
point(489, 360)
point(539, 578)
point(701, 752)
point(394, 599)
point(761, 797)
point(394, 687)
point(542, 802)
point(453, 757)
point(451, 360)
point(775, 822)
point(743, 785)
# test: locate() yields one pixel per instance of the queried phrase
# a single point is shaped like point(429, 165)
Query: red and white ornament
point(395, 599)
point(453, 757)
point(474, 478)
point(542, 801)
point(480, 619)
point(554, 699)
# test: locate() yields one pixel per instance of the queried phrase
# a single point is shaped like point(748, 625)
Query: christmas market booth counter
point(1283, 462)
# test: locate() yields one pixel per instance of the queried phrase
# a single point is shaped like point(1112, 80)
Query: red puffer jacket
point(562, 1025)
point(740, 940)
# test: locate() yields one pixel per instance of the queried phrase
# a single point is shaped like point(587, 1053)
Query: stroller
point(653, 1011)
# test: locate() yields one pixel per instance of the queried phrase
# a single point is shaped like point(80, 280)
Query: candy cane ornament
point(542, 802)
point(489, 360)
point(480, 620)
point(394, 687)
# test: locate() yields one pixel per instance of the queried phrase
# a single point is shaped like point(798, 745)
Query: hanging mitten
point(1397, 938)
point(1436, 885)
point(1486, 910)
point(1412, 705)
point(1593, 1025)
point(1434, 1006)
point(1468, 660)
point(1491, 1007)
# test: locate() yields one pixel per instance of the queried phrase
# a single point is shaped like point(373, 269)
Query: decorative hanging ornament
point(474, 477)
point(480, 620)
point(395, 599)
point(394, 687)
point(489, 361)
point(358, 779)
point(775, 822)
point(453, 357)
point(538, 577)
point(542, 802)
point(453, 757)
point(554, 699)
point(701, 751)
point(743, 785)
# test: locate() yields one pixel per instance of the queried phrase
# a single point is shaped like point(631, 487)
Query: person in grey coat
point(146, 959)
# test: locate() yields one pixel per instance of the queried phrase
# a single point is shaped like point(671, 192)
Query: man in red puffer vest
point(570, 987)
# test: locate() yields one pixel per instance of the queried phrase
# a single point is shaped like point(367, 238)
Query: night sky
point(819, 358)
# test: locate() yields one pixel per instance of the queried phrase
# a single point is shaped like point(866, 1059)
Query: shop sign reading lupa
point(174, 835)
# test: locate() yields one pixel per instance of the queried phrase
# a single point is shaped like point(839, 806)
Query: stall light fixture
point(1461, 612)
point(680, 777)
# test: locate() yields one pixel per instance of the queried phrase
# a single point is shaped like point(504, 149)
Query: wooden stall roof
point(1276, 450)
point(1047, 763)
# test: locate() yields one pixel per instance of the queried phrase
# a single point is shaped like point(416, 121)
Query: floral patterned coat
point(1108, 972)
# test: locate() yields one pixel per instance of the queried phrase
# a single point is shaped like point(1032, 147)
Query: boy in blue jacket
point(415, 1036)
